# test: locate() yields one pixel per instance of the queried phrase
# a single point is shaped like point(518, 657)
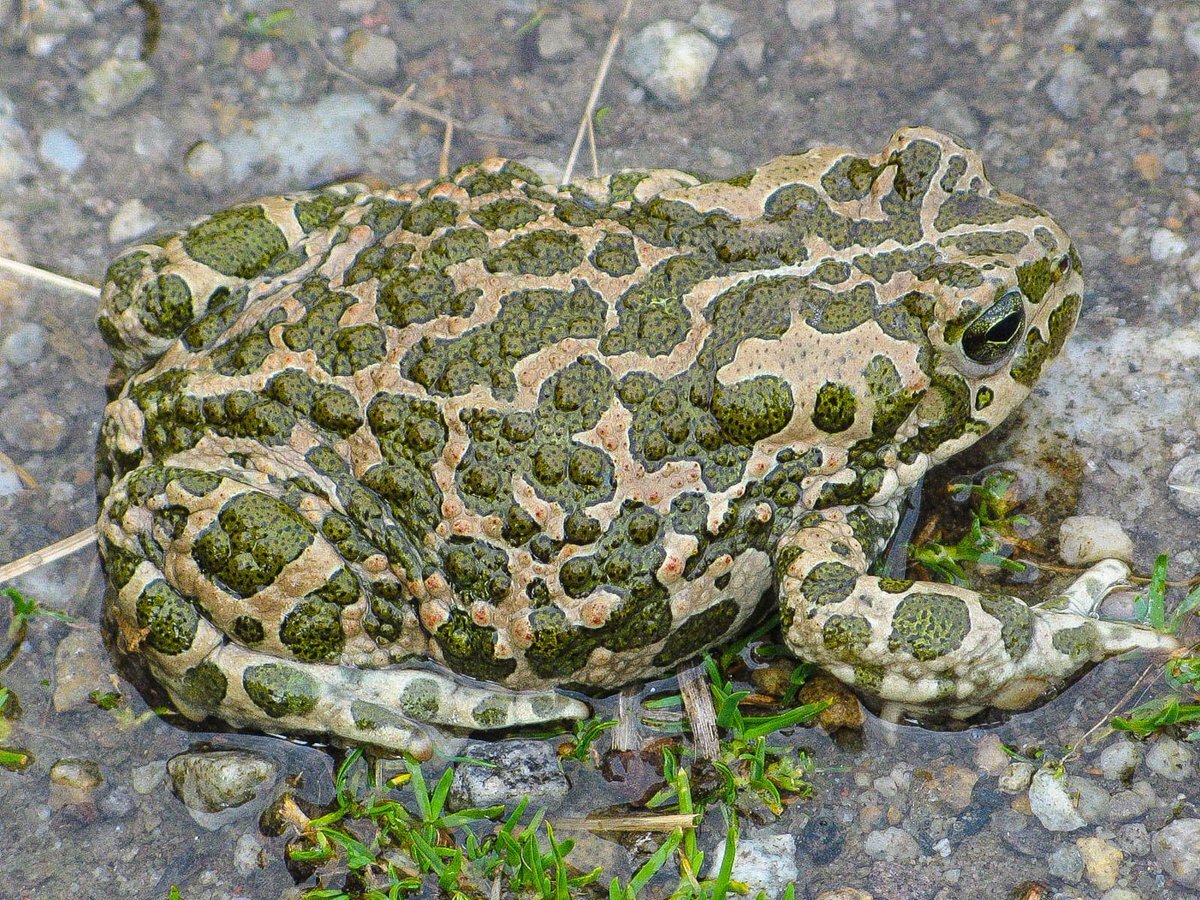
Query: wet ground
point(1087, 107)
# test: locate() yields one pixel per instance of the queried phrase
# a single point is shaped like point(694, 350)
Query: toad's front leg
point(935, 648)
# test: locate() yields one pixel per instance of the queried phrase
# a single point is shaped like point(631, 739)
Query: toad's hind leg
point(938, 648)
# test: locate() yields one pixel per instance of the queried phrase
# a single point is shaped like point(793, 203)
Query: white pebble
point(1083, 540)
point(1166, 245)
point(1151, 82)
point(1184, 484)
point(1050, 802)
point(132, 220)
point(57, 148)
point(671, 60)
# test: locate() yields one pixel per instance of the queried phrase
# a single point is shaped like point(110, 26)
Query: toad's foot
point(939, 649)
point(386, 708)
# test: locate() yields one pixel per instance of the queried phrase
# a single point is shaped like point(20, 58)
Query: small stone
point(892, 845)
point(78, 774)
point(114, 85)
point(846, 893)
point(117, 803)
point(376, 57)
point(949, 111)
point(10, 479)
point(716, 21)
point(132, 220)
point(1184, 484)
point(1167, 246)
point(1133, 803)
point(750, 52)
point(1120, 759)
point(844, 710)
point(871, 22)
point(204, 162)
point(808, 14)
point(147, 778)
point(81, 665)
point(248, 855)
point(671, 60)
point(591, 851)
point(16, 155)
point(990, 756)
point(58, 149)
point(1171, 759)
point(1133, 839)
point(949, 786)
point(1091, 800)
point(1151, 82)
point(1191, 36)
point(1083, 540)
point(1050, 802)
point(557, 39)
point(763, 863)
point(212, 784)
point(522, 769)
point(1177, 849)
point(1149, 166)
point(1066, 863)
point(28, 424)
point(1119, 893)
point(1100, 20)
point(1066, 85)
point(25, 345)
point(1017, 778)
point(1101, 861)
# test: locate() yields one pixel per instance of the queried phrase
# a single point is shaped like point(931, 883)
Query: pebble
point(247, 855)
point(522, 769)
point(16, 154)
point(846, 893)
point(1133, 803)
point(750, 52)
point(764, 863)
point(1067, 84)
point(1184, 484)
point(212, 784)
point(1101, 861)
point(844, 710)
point(1120, 759)
point(1191, 36)
point(26, 424)
point(204, 162)
point(10, 480)
point(591, 851)
point(75, 773)
point(1167, 246)
point(872, 22)
point(1050, 802)
point(1177, 849)
point(148, 777)
point(1171, 759)
point(1099, 20)
point(1134, 839)
point(1151, 82)
point(951, 787)
point(671, 60)
point(132, 220)
point(117, 803)
point(1119, 893)
point(807, 14)
point(81, 665)
point(25, 345)
point(114, 85)
point(1083, 540)
point(1066, 863)
point(892, 845)
point(557, 39)
point(1091, 800)
point(716, 21)
point(375, 57)
point(1017, 778)
point(990, 756)
point(58, 149)
point(949, 111)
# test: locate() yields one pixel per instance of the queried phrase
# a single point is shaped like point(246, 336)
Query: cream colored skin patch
point(388, 460)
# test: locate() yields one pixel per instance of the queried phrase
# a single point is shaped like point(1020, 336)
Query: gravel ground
point(109, 131)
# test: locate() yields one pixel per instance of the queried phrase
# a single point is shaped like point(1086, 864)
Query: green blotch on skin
point(342, 589)
point(280, 690)
point(828, 582)
point(196, 482)
point(1078, 643)
point(421, 699)
point(843, 311)
point(846, 637)
point(254, 537)
point(470, 649)
point(542, 253)
point(429, 215)
point(371, 716)
point(477, 571)
point(558, 649)
point(895, 585)
point(248, 630)
point(1028, 362)
point(956, 167)
point(318, 210)
point(929, 626)
point(171, 620)
point(507, 214)
point(751, 410)
point(984, 397)
point(969, 208)
point(1035, 278)
point(850, 178)
point(834, 407)
point(696, 632)
point(203, 686)
point(652, 316)
point(490, 712)
point(869, 678)
point(313, 631)
point(1016, 622)
point(239, 242)
point(615, 255)
point(1062, 320)
point(166, 306)
point(119, 563)
point(986, 243)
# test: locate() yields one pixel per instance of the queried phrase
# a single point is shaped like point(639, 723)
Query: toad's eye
point(996, 330)
point(1064, 265)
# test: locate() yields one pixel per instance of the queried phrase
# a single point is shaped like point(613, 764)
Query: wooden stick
point(697, 701)
point(626, 735)
point(48, 277)
point(47, 555)
point(629, 823)
point(597, 83)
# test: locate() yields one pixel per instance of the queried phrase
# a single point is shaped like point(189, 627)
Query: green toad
point(390, 459)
